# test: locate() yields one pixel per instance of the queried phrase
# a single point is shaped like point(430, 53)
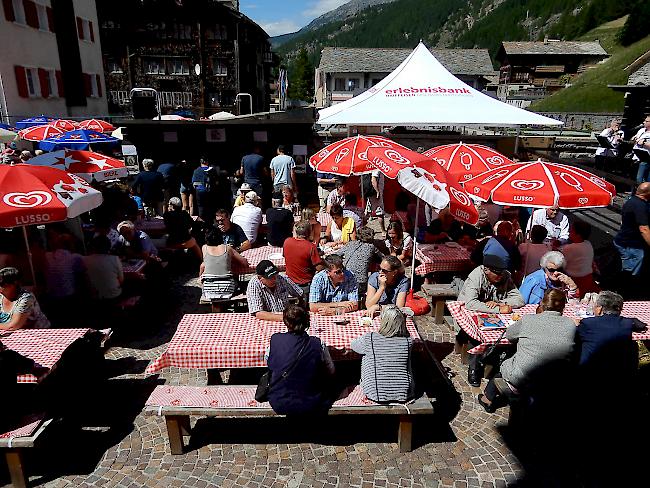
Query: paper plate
point(452, 244)
point(276, 256)
point(408, 311)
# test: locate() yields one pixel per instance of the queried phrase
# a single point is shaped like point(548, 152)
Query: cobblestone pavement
point(114, 444)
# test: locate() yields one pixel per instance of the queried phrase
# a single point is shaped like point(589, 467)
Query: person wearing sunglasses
point(333, 289)
point(388, 286)
point(550, 275)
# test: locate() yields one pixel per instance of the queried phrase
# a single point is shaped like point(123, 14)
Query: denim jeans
point(642, 173)
point(631, 258)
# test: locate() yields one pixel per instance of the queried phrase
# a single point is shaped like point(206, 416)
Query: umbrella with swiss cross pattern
point(79, 139)
point(87, 164)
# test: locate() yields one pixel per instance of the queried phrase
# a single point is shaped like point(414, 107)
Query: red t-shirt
point(301, 257)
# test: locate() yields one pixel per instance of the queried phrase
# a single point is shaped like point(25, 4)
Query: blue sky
point(284, 16)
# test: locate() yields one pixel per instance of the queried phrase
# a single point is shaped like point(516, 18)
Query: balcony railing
point(175, 99)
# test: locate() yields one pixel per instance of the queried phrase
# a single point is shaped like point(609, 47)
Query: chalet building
point(199, 55)
point(346, 72)
point(637, 95)
point(51, 60)
point(533, 70)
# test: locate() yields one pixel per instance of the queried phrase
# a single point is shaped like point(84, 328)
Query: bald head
point(643, 190)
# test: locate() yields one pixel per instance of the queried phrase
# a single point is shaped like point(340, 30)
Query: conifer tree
point(301, 83)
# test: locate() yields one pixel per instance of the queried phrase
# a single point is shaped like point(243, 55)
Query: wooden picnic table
point(44, 346)
point(467, 320)
point(435, 258)
point(238, 340)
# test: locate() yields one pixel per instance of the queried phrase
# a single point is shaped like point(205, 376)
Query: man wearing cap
point(333, 288)
point(268, 292)
point(489, 288)
point(245, 188)
point(248, 216)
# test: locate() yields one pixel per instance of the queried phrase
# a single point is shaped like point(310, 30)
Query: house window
point(339, 84)
point(52, 88)
point(178, 66)
point(42, 17)
point(353, 84)
point(114, 66)
point(219, 67)
point(182, 31)
point(86, 27)
point(94, 90)
point(19, 12)
point(33, 87)
point(218, 31)
point(155, 66)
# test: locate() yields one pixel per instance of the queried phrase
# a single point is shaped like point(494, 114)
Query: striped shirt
point(385, 366)
point(264, 299)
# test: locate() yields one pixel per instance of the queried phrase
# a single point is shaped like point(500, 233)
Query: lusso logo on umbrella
point(27, 200)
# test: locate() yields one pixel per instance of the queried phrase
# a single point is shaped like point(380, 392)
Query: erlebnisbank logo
point(428, 91)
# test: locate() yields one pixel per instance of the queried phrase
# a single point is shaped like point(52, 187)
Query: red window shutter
point(87, 85)
point(43, 78)
point(31, 15)
point(59, 83)
point(21, 81)
point(50, 18)
point(92, 33)
point(99, 85)
point(80, 28)
point(9, 10)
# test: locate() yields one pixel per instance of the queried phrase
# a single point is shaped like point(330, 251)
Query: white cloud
point(279, 27)
point(320, 7)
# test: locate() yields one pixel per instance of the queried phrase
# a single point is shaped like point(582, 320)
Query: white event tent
point(422, 91)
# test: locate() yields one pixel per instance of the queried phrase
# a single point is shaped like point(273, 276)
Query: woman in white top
point(398, 243)
point(579, 256)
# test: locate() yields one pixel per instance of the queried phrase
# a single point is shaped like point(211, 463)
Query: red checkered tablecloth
point(257, 254)
point(439, 257)
point(467, 320)
point(44, 346)
point(133, 266)
point(238, 340)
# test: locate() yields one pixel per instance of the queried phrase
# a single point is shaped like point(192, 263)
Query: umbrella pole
point(29, 256)
point(415, 241)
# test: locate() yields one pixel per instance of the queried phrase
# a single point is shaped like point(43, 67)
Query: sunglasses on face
point(554, 270)
point(496, 271)
point(385, 271)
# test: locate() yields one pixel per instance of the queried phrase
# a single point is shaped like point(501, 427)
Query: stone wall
point(587, 121)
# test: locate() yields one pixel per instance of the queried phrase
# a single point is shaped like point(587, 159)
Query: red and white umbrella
point(436, 186)
point(349, 156)
point(32, 195)
point(39, 132)
point(465, 160)
point(64, 124)
point(96, 124)
point(541, 184)
point(87, 164)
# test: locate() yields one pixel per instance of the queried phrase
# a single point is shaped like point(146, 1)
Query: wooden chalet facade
point(198, 55)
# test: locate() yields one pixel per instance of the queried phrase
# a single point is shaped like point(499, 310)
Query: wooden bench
point(218, 305)
point(177, 403)
point(13, 442)
point(439, 294)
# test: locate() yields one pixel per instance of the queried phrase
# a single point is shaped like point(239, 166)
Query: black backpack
point(366, 186)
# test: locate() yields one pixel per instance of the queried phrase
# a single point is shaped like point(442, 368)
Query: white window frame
point(19, 12)
point(160, 66)
point(221, 65)
point(184, 66)
point(41, 12)
point(35, 91)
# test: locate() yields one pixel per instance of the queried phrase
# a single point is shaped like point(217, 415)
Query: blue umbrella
point(33, 121)
point(5, 126)
point(79, 139)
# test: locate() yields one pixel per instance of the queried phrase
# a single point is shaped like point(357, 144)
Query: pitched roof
point(380, 60)
point(591, 48)
point(640, 76)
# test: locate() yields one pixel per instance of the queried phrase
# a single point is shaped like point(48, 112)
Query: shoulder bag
point(266, 382)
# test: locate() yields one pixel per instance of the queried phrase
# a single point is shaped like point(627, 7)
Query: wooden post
point(16, 471)
point(175, 424)
point(405, 435)
point(439, 311)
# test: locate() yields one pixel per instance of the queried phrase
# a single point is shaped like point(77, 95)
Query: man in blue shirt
point(333, 288)
point(252, 169)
